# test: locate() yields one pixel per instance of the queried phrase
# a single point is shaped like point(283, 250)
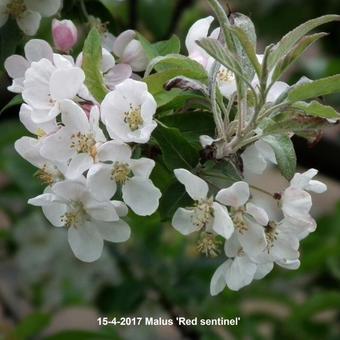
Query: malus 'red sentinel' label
point(107, 126)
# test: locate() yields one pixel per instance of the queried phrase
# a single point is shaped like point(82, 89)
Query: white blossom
point(130, 51)
point(45, 86)
point(89, 222)
point(17, 65)
point(249, 219)
point(206, 214)
point(28, 13)
point(128, 112)
point(138, 191)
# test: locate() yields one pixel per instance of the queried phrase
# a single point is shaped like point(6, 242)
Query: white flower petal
point(43, 200)
point(122, 41)
point(16, 66)
point(86, 242)
point(70, 190)
point(114, 232)
point(102, 211)
point(197, 31)
point(235, 196)
point(263, 270)
point(74, 117)
point(78, 165)
point(54, 213)
point(121, 208)
point(232, 246)
point(253, 160)
point(114, 151)
point(141, 195)
point(46, 8)
point(29, 149)
point(142, 167)
point(258, 213)
point(182, 221)
point(222, 225)
point(135, 56)
point(117, 75)
point(100, 183)
point(196, 187)
point(240, 273)
point(29, 22)
point(37, 49)
point(218, 283)
point(289, 264)
point(276, 91)
point(61, 89)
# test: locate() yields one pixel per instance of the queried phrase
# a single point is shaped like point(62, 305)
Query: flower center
point(48, 176)
point(16, 8)
point(134, 118)
point(203, 213)
point(271, 235)
point(84, 143)
point(239, 222)
point(225, 75)
point(208, 245)
point(120, 172)
point(74, 217)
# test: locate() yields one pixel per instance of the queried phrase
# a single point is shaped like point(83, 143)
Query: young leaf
point(173, 45)
point(92, 64)
point(16, 100)
point(177, 152)
point(177, 61)
point(315, 108)
point(284, 153)
point(295, 54)
point(245, 43)
point(314, 89)
point(284, 46)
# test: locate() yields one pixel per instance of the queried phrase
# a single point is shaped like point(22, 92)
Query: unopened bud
point(65, 34)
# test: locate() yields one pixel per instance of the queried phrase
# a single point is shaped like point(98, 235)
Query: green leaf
point(173, 45)
point(295, 54)
point(314, 89)
point(284, 153)
point(314, 108)
point(177, 152)
point(245, 42)
point(173, 197)
point(177, 62)
point(92, 64)
point(10, 38)
point(204, 124)
point(31, 326)
point(284, 46)
point(15, 101)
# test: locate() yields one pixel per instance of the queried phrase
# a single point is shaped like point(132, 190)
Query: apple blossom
point(132, 175)
point(89, 222)
point(28, 13)
point(130, 51)
point(128, 111)
point(206, 215)
point(45, 87)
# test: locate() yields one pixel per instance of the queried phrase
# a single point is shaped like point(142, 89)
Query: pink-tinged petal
point(195, 186)
point(122, 41)
point(117, 75)
point(235, 196)
point(135, 56)
point(65, 34)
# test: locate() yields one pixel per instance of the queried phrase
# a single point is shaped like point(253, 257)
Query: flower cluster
point(83, 149)
point(93, 116)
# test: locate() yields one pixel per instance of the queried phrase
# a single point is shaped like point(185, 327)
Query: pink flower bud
point(65, 34)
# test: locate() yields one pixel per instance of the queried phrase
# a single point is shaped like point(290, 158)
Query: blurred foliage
point(158, 270)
